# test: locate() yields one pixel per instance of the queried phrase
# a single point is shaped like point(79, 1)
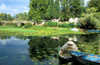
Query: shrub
point(11, 24)
point(39, 21)
point(59, 25)
point(51, 24)
point(27, 25)
point(1, 23)
point(77, 25)
point(65, 25)
point(71, 25)
point(55, 24)
point(91, 10)
point(90, 22)
point(45, 24)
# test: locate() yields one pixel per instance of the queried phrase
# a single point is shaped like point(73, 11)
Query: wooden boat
point(84, 58)
point(94, 30)
point(74, 29)
point(70, 45)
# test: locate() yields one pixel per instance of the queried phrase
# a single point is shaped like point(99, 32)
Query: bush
point(51, 24)
point(91, 10)
point(27, 25)
point(90, 22)
point(65, 25)
point(1, 23)
point(55, 24)
point(45, 24)
point(39, 21)
point(59, 25)
point(11, 24)
point(71, 25)
point(77, 25)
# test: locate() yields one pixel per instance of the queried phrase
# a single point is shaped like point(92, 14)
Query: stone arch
point(22, 24)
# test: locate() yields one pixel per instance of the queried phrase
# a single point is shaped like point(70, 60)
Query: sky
point(16, 6)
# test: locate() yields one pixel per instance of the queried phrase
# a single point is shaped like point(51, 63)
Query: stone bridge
point(18, 22)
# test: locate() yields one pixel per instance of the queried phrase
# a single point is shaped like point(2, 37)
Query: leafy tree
point(92, 21)
point(9, 17)
point(47, 14)
point(76, 7)
point(50, 10)
point(65, 12)
point(56, 9)
point(21, 16)
point(1, 16)
point(5, 17)
point(37, 8)
point(25, 14)
point(91, 10)
point(30, 14)
point(95, 4)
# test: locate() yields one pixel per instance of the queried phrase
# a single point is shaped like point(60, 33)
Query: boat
point(84, 58)
point(98, 31)
point(74, 29)
point(68, 46)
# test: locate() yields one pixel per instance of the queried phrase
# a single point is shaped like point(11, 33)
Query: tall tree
point(50, 10)
point(9, 17)
point(21, 16)
point(30, 14)
point(95, 4)
point(37, 9)
point(76, 7)
point(3, 16)
point(65, 10)
point(56, 9)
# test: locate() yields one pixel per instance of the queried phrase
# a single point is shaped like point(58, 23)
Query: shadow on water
point(70, 61)
point(44, 50)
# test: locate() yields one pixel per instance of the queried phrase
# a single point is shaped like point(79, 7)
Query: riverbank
point(36, 31)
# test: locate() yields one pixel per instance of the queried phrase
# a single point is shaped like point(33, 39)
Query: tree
point(95, 4)
point(65, 10)
point(56, 9)
point(3, 16)
point(37, 9)
point(21, 16)
point(50, 10)
point(76, 7)
point(92, 21)
point(91, 10)
point(30, 14)
point(9, 17)
point(25, 16)
point(63, 13)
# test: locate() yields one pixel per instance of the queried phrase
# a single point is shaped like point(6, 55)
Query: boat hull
point(84, 61)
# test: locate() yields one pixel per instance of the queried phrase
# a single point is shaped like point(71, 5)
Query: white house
point(73, 20)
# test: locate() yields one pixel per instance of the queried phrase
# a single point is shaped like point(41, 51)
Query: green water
point(34, 50)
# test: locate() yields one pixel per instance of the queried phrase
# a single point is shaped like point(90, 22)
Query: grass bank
point(36, 31)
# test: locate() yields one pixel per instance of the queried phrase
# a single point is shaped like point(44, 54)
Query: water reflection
point(45, 48)
point(32, 50)
point(13, 51)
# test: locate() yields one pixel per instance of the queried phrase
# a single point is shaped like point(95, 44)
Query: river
point(43, 50)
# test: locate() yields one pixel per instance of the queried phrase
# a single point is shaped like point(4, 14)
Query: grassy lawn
point(36, 31)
